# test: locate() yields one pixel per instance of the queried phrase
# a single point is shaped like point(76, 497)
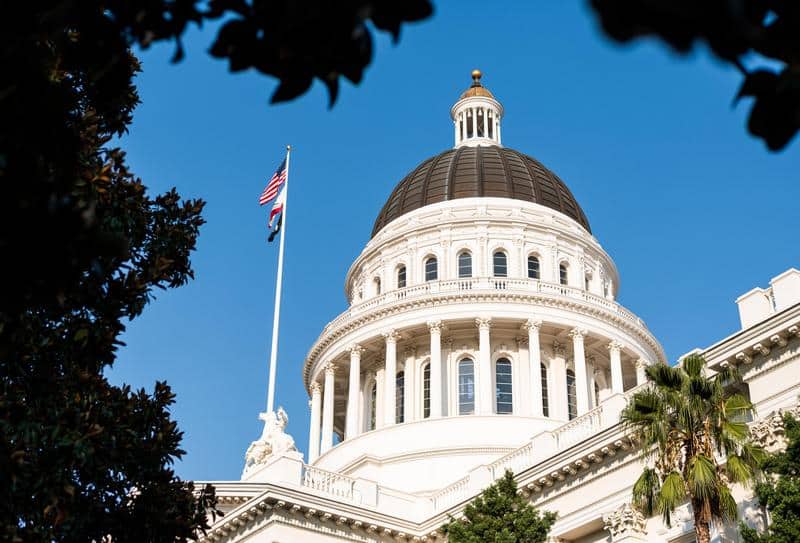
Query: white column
point(497, 131)
point(558, 392)
point(581, 387)
point(435, 328)
point(390, 378)
point(484, 385)
point(327, 408)
point(410, 384)
point(313, 431)
point(535, 364)
point(617, 386)
point(353, 407)
point(521, 379)
point(641, 376)
point(455, 131)
point(590, 365)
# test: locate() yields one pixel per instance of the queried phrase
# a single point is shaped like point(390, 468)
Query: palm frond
point(665, 376)
point(701, 476)
point(739, 470)
point(693, 365)
point(646, 490)
point(726, 506)
point(671, 495)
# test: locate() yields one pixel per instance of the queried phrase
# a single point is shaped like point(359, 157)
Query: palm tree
point(693, 433)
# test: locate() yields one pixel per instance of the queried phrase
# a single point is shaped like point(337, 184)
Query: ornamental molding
point(625, 522)
point(531, 325)
point(587, 309)
point(769, 432)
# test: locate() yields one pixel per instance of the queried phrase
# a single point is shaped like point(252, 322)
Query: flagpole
point(273, 355)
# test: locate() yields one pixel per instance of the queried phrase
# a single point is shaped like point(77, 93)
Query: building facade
point(482, 334)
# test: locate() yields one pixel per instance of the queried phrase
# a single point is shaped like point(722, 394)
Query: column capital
point(483, 323)
point(391, 336)
point(330, 368)
point(315, 388)
point(356, 350)
point(532, 325)
point(614, 346)
point(559, 349)
point(578, 333)
point(435, 327)
point(641, 363)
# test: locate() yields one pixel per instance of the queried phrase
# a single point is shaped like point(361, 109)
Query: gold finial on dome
point(476, 77)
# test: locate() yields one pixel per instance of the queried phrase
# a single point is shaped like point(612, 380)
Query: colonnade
point(529, 353)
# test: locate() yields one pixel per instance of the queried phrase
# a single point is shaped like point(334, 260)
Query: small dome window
point(534, 271)
point(401, 277)
point(503, 387)
point(572, 400)
point(465, 264)
point(500, 264)
point(426, 391)
point(400, 397)
point(563, 274)
point(545, 398)
point(431, 269)
point(466, 387)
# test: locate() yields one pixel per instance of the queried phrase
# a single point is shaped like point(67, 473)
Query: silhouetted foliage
point(83, 248)
point(758, 32)
point(781, 494)
point(500, 515)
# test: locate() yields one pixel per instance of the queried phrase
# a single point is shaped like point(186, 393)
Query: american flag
point(274, 185)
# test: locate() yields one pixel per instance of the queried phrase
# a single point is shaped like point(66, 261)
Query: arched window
point(587, 281)
point(596, 394)
point(605, 289)
point(534, 271)
point(466, 387)
point(545, 395)
point(373, 405)
point(500, 261)
point(504, 388)
point(465, 264)
point(572, 401)
point(400, 396)
point(401, 277)
point(563, 276)
point(377, 282)
point(426, 391)
point(431, 269)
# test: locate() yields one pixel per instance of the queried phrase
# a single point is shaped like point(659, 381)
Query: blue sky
point(692, 209)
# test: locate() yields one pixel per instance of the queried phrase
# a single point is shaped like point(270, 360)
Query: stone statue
point(274, 441)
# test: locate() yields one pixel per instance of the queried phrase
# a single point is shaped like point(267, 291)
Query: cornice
point(422, 453)
point(475, 296)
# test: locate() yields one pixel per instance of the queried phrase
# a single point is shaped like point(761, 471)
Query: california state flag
point(277, 211)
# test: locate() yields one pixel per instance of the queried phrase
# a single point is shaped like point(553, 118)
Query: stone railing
point(328, 482)
point(451, 494)
point(473, 284)
point(579, 428)
point(516, 460)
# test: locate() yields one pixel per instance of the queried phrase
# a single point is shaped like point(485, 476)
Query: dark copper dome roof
point(490, 171)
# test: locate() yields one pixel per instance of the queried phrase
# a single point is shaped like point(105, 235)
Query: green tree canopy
point(500, 515)
point(685, 421)
point(781, 494)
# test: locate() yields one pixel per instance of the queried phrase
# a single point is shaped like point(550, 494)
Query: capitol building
point(482, 334)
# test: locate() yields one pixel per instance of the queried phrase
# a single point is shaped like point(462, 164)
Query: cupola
point(476, 116)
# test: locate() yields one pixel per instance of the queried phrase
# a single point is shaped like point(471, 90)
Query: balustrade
point(328, 482)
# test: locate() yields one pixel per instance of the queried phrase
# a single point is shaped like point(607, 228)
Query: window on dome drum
point(400, 396)
point(431, 269)
point(500, 261)
point(545, 398)
point(465, 264)
point(373, 405)
point(605, 289)
point(504, 388)
point(401, 277)
point(469, 123)
point(563, 277)
point(426, 391)
point(490, 120)
point(481, 124)
point(587, 279)
point(377, 282)
point(533, 267)
point(466, 387)
point(572, 401)
point(596, 394)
